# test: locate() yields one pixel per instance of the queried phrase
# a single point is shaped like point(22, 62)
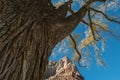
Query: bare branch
point(106, 16)
point(91, 27)
point(75, 47)
point(73, 40)
point(83, 21)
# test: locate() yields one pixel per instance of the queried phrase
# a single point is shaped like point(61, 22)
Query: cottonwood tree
point(30, 29)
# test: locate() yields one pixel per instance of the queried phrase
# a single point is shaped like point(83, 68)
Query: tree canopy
point(96, 22)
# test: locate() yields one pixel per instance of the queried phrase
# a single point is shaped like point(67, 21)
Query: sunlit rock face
point(62, 70)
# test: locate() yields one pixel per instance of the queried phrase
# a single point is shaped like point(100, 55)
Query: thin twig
point(73, 40)
point(85, 22)
point(106, 16)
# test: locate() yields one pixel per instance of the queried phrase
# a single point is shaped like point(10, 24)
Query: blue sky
point(111, 56)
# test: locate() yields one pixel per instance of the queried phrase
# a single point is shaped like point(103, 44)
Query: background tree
point(30, 29)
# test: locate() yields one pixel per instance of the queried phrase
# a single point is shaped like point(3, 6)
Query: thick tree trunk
point(29, 30)
point(24, 40)
point(25, 56)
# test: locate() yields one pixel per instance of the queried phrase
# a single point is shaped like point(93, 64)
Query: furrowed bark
point(24, 41)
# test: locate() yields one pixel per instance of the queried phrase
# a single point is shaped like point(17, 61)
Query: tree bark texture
point(29, 30)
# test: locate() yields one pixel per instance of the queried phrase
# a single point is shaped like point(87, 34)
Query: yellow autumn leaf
point(88, 40)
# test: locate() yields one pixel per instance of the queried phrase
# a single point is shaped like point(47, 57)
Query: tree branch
point(83, 21)
point(82, 12)
point(100, 37)
point(69, 23)
point(106, 16)
point(73, 40)
point(75, 47)
point(91, 27)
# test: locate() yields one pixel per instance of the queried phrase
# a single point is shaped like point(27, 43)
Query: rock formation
point(62, 70)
